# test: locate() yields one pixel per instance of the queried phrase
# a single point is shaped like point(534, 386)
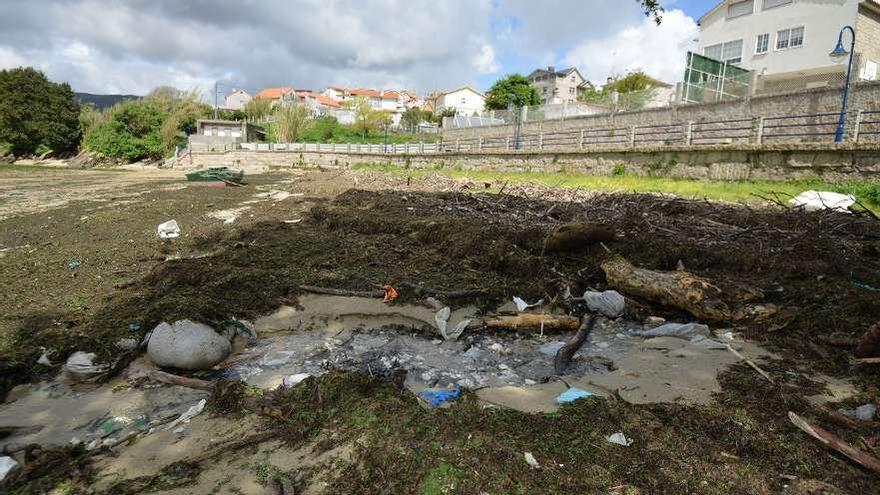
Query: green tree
point(35, 111)
point(291, 120)
point(635, 89)
point(653, 9)
point(506, 91)
point(258, 108)
point(132, 131)
point(411, 118)
point(366, 118)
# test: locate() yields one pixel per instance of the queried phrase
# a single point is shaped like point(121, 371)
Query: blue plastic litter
point(134, 327)
point(572, 395)
point(73, 265)
point(437, 398)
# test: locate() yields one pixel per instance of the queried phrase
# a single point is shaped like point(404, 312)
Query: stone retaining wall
point(863, 96)
point(739, 163)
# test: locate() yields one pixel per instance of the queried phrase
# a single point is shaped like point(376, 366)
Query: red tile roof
point(274, 93)
point(391, 95)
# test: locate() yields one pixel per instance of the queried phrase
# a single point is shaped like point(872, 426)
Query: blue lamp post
point(840, 52)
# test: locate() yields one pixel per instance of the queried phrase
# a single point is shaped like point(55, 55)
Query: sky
point(424, 45)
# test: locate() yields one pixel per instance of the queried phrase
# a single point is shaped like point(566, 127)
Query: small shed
point(212, 134)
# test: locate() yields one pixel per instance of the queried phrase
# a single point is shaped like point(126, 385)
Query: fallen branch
point(681, 289)
point(342, 292)
point(182, 381)
point(530, 320)
point(750, 363)
point(236, 360)
point(566, 352)
point(834, 442)
point(839, 418)
point(865, 361)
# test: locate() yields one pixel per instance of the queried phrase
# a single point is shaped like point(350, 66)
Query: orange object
point(390, 293)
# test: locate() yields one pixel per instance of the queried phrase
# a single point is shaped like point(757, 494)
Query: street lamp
point(838, 53)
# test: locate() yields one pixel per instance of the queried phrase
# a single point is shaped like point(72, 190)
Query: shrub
point(35, 111)
point(132, 131)
point(619, 170)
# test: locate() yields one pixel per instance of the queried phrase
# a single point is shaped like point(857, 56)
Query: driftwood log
point(834, 442)
point(566, 352)
point(681, 289)
point(531, 321)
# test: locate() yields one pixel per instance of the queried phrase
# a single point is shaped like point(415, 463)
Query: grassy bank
point(867, 192)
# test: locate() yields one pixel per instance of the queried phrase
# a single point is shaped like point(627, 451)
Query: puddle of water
point(66, 411)
point(359, 334)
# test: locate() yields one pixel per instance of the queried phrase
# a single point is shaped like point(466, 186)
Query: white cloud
point(658, 50)
point(484, 61)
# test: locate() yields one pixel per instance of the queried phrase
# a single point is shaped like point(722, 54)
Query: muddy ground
point(77, 273)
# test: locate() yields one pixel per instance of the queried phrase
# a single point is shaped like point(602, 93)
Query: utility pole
point(215, 100)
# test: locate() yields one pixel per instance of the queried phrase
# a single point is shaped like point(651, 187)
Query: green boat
point(214, 174)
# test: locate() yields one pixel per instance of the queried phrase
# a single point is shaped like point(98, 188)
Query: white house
point(237, 99)
point(465, 100)
point(787, 42)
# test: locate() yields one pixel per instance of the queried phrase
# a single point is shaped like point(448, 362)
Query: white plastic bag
point(169, 230)
point(823, 200)
point(608, 303)
point(81, 367)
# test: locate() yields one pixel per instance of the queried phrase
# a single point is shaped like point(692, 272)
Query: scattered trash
point(241, 327)
point(188, 415)
point(864, 412)
point(434, 303)
point(551, 348)
point(531, 461)
point(168, 230)
point(73, 265)
point(390, 293)
point(437, 398)
point(681, 330)
point(441, 319)
point(293, 380)
point(187, 345)
point(80, 366)
point(295, 220)
point(7, 465)
point(572, 395)
point(44, 360)
point(127, 344)
point(619, 439)
point(215, 174)
point(822, 200)
point(609, 303)
point(134, 327)
point(229, 220)
point(94, 444)
point(859, 285)
point(707, 343)
point(521, 305)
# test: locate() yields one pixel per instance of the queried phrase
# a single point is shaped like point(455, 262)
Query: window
point(737, 9)
point(713, 52)
point(464, 101)
point(762, 44)
point(790, 38)
point(544, 90)
point(732, 52)
point(769, 4)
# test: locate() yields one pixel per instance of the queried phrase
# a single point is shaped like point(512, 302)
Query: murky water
point(510, 369)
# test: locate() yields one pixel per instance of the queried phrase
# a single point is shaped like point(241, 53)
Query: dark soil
point(814, 266)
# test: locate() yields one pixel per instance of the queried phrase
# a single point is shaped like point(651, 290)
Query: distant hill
point(103, 101)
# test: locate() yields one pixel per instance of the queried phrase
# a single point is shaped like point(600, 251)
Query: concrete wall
point(716, 164)
point(865, 95)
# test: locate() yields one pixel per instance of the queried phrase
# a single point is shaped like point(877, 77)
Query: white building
point(237, 99)
point(465, 100)
point(787, 42)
